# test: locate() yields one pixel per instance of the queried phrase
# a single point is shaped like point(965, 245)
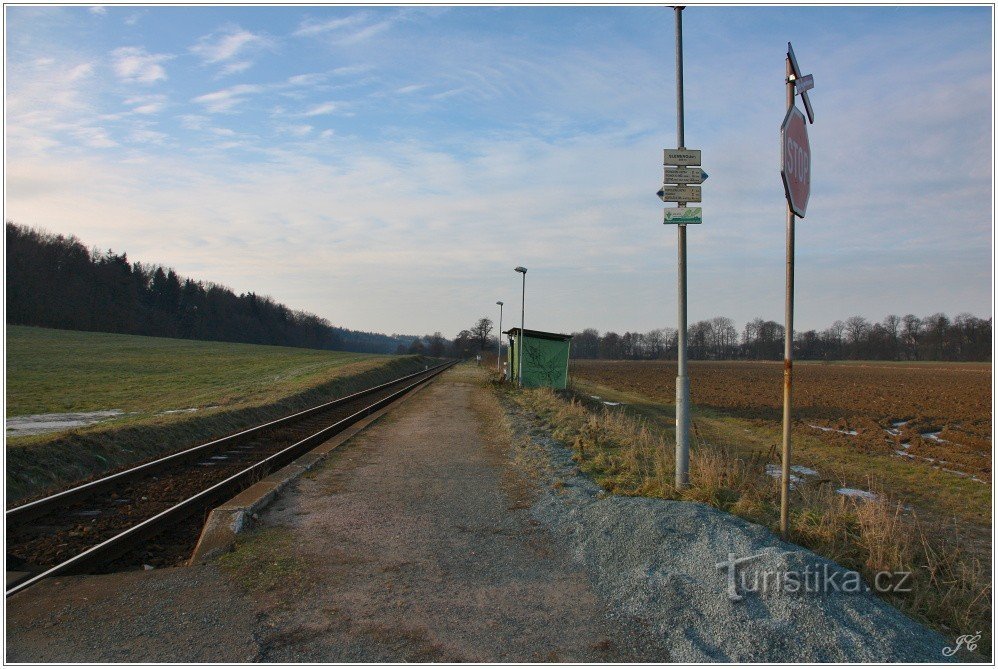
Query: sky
point(387, 168)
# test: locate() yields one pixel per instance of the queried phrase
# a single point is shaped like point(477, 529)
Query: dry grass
point(950, 591)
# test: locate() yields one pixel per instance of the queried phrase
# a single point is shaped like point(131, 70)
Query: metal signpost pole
point(796, 173)
point(788, 344)
point(519, 346)
point(499, 338)
point(682, 380)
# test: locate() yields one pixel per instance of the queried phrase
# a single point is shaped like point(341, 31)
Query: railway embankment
point(156, 396)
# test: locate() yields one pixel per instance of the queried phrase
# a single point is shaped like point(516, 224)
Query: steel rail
point(21, 514)
point(126, 540)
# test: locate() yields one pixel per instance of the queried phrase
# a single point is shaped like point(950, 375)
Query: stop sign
point(796, 161)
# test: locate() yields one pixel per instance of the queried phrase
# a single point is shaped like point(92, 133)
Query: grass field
point(170, 392)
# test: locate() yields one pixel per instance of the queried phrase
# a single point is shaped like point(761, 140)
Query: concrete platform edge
point(227, 521)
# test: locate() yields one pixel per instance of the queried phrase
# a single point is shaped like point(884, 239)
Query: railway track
point(136, 518)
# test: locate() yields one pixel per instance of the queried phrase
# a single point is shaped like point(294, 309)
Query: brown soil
point(866, 398)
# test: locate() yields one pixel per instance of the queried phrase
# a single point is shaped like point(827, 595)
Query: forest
point(964, 338)
point(56, 281)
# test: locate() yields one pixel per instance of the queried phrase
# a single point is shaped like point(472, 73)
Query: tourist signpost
point(796, 172)
point(682, 175)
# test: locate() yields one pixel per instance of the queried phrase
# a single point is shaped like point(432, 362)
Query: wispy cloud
point(310, 27)
point(347, 30)
point(134, 64)
point(230, 48)
point(98, 10)
point(146, 104)
point(323, 108)
point(412, 88)
point(227, 98)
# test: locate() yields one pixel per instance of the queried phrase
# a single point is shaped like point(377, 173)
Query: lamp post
point(519, 346)
point(499, 339)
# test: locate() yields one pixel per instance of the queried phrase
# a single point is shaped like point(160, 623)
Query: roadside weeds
point(951, 591)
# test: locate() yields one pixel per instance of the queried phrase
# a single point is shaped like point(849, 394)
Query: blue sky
point(387, 167)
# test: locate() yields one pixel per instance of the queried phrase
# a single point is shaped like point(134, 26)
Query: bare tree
point(481, 332)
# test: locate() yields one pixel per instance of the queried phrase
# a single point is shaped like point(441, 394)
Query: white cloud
point(310, 28)
point(310, 79)
point(405, 90)
point(146, 104)
point(227, 98)
point(295, 130)
point(80, 71)
point(230, 47)
point(134, 64)
point(351, 29)
point(321, 109)
point(236, 67)
point(95, 137)
point(98, 10)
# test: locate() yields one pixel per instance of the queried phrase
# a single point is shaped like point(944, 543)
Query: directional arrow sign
point(804, 84)
point(682, 157)
point(684, 175)
point(680, 194)
point(683, 215)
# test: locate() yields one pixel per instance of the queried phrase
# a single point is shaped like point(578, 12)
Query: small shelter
point(545, 358)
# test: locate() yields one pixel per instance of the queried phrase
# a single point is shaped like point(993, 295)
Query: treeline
point(56, 281)
point(936, 337)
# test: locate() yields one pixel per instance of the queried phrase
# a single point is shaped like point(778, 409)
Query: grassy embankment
point(230, 386)
point(924, 521)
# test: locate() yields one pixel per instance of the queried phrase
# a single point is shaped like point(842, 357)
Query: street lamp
point(499, 337)
point(519, 346)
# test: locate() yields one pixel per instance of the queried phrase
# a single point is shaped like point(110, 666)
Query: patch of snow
point(611, 404)
point(853, 492)
point(42, 423)
point(776, 471)
point(168, 411)
point(596, 397)
point(806, 471)
point(899, 423)
point(851, 433)
point(934, 436)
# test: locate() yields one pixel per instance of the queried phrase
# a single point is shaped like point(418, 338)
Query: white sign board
point(680, 194)
point(684, 175)
point(682, 157)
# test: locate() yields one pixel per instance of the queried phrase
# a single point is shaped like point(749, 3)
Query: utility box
point(545, 358)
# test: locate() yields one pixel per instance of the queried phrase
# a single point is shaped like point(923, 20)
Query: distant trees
point(936, 337)
point(56, 281)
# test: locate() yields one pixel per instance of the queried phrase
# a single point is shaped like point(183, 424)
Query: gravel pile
point(657, 561)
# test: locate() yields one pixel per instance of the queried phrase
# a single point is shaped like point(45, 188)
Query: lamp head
point(499, 303)
point(521, 270)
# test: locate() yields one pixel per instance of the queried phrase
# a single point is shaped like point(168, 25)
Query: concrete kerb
point(227, 521)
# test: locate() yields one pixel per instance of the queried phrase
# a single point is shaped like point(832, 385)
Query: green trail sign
point(683, 215)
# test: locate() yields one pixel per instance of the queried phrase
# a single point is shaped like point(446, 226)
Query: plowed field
point(938, 413)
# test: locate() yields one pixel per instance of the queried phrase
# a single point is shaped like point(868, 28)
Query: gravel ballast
point(658, 561)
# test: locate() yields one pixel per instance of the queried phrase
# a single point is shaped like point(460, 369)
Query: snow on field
point(851, 433)
point(19, 426)
point(853, 492)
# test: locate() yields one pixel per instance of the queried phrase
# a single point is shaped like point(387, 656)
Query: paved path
point(420, 547)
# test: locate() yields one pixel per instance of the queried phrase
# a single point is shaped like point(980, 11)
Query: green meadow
point(172, 393)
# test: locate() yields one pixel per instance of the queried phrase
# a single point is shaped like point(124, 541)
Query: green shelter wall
point(545, 362)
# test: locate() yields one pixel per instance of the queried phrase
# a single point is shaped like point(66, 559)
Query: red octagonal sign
point(796, 161)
